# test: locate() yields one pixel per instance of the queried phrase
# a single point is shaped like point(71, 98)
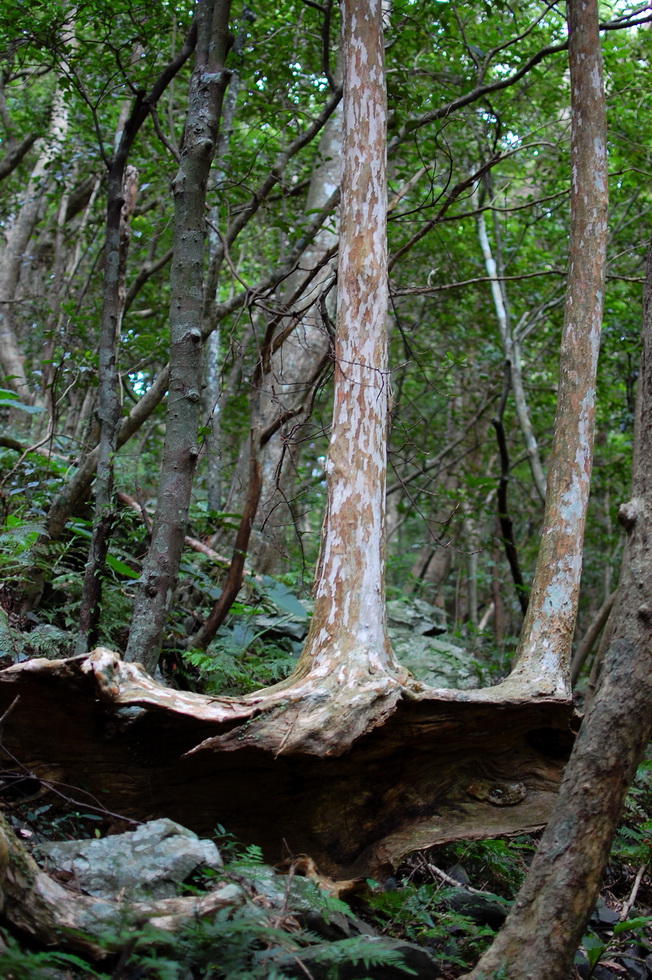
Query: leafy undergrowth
point(448, 902)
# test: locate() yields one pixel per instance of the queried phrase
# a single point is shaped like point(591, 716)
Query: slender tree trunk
point(161, 567)
point(348, 631)
point(122, 190)
point(121, 198)
point(543, 655)
point(589, 639)
point(213, 375)
point(18, 236)
point(550, 913)
point(512, 353)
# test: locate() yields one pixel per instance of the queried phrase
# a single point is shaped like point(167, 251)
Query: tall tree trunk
point(544, 650)
point(161, 567)
point(122, 190)
point(349, 632)
point(212, 394)
point(112, 433)
point(287, 388)
point(512, 351)
point(17, 238)
point(551, 910)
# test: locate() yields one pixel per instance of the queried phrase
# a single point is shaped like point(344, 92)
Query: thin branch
point(147, 271)
point(163, 138)
point(587, 642)
point(482, 90)
point(425, 290)
point(506, 526)
point(438, 873)
point(627, 907)
point(15, 154)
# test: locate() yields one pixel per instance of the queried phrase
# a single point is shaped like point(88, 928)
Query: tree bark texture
point(160, 570)
point(16, 242)
point(543, 655)
point(287, 388)
point(348, 630)
point(122, 191)
point(551, 910)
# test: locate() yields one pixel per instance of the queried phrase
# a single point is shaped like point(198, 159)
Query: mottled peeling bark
point(551, 910)
point(543, 655)
point(349, 629)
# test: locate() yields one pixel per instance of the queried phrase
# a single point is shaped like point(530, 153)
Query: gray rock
point(146, 863)
point(416, 631)
point(435, 661)
point(416, 616)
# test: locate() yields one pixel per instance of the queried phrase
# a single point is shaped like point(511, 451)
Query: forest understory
point(326, 488)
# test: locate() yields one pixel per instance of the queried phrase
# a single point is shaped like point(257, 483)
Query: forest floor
point(448, 902)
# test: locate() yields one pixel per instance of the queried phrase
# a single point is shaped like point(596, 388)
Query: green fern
point(17, 540)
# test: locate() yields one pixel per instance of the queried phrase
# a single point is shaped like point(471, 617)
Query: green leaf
point(641, 922)
point(282, 598)
point(594, 948)
point(121, 567)
point(9, 399)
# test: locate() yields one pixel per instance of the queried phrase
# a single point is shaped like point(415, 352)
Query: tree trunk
point(544, 650)
point(212, 394)
point(17, 238)
point(122, 190)
point(512, 351)
point(551, 910)
point(161, 567)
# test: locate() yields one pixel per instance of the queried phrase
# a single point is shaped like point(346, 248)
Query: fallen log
point(286, 768)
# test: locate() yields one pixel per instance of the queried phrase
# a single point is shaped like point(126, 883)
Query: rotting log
point(443, 765)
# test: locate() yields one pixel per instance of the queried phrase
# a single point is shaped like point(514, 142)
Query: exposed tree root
point(357, 775)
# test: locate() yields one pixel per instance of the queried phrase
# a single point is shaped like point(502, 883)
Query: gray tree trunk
point(287, 387)
point(512, 351)
point(122, 190)
point(161, 567)
point(16, 240)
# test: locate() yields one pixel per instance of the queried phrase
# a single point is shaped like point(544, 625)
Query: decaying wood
point(350, 759)
point(444, 765)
